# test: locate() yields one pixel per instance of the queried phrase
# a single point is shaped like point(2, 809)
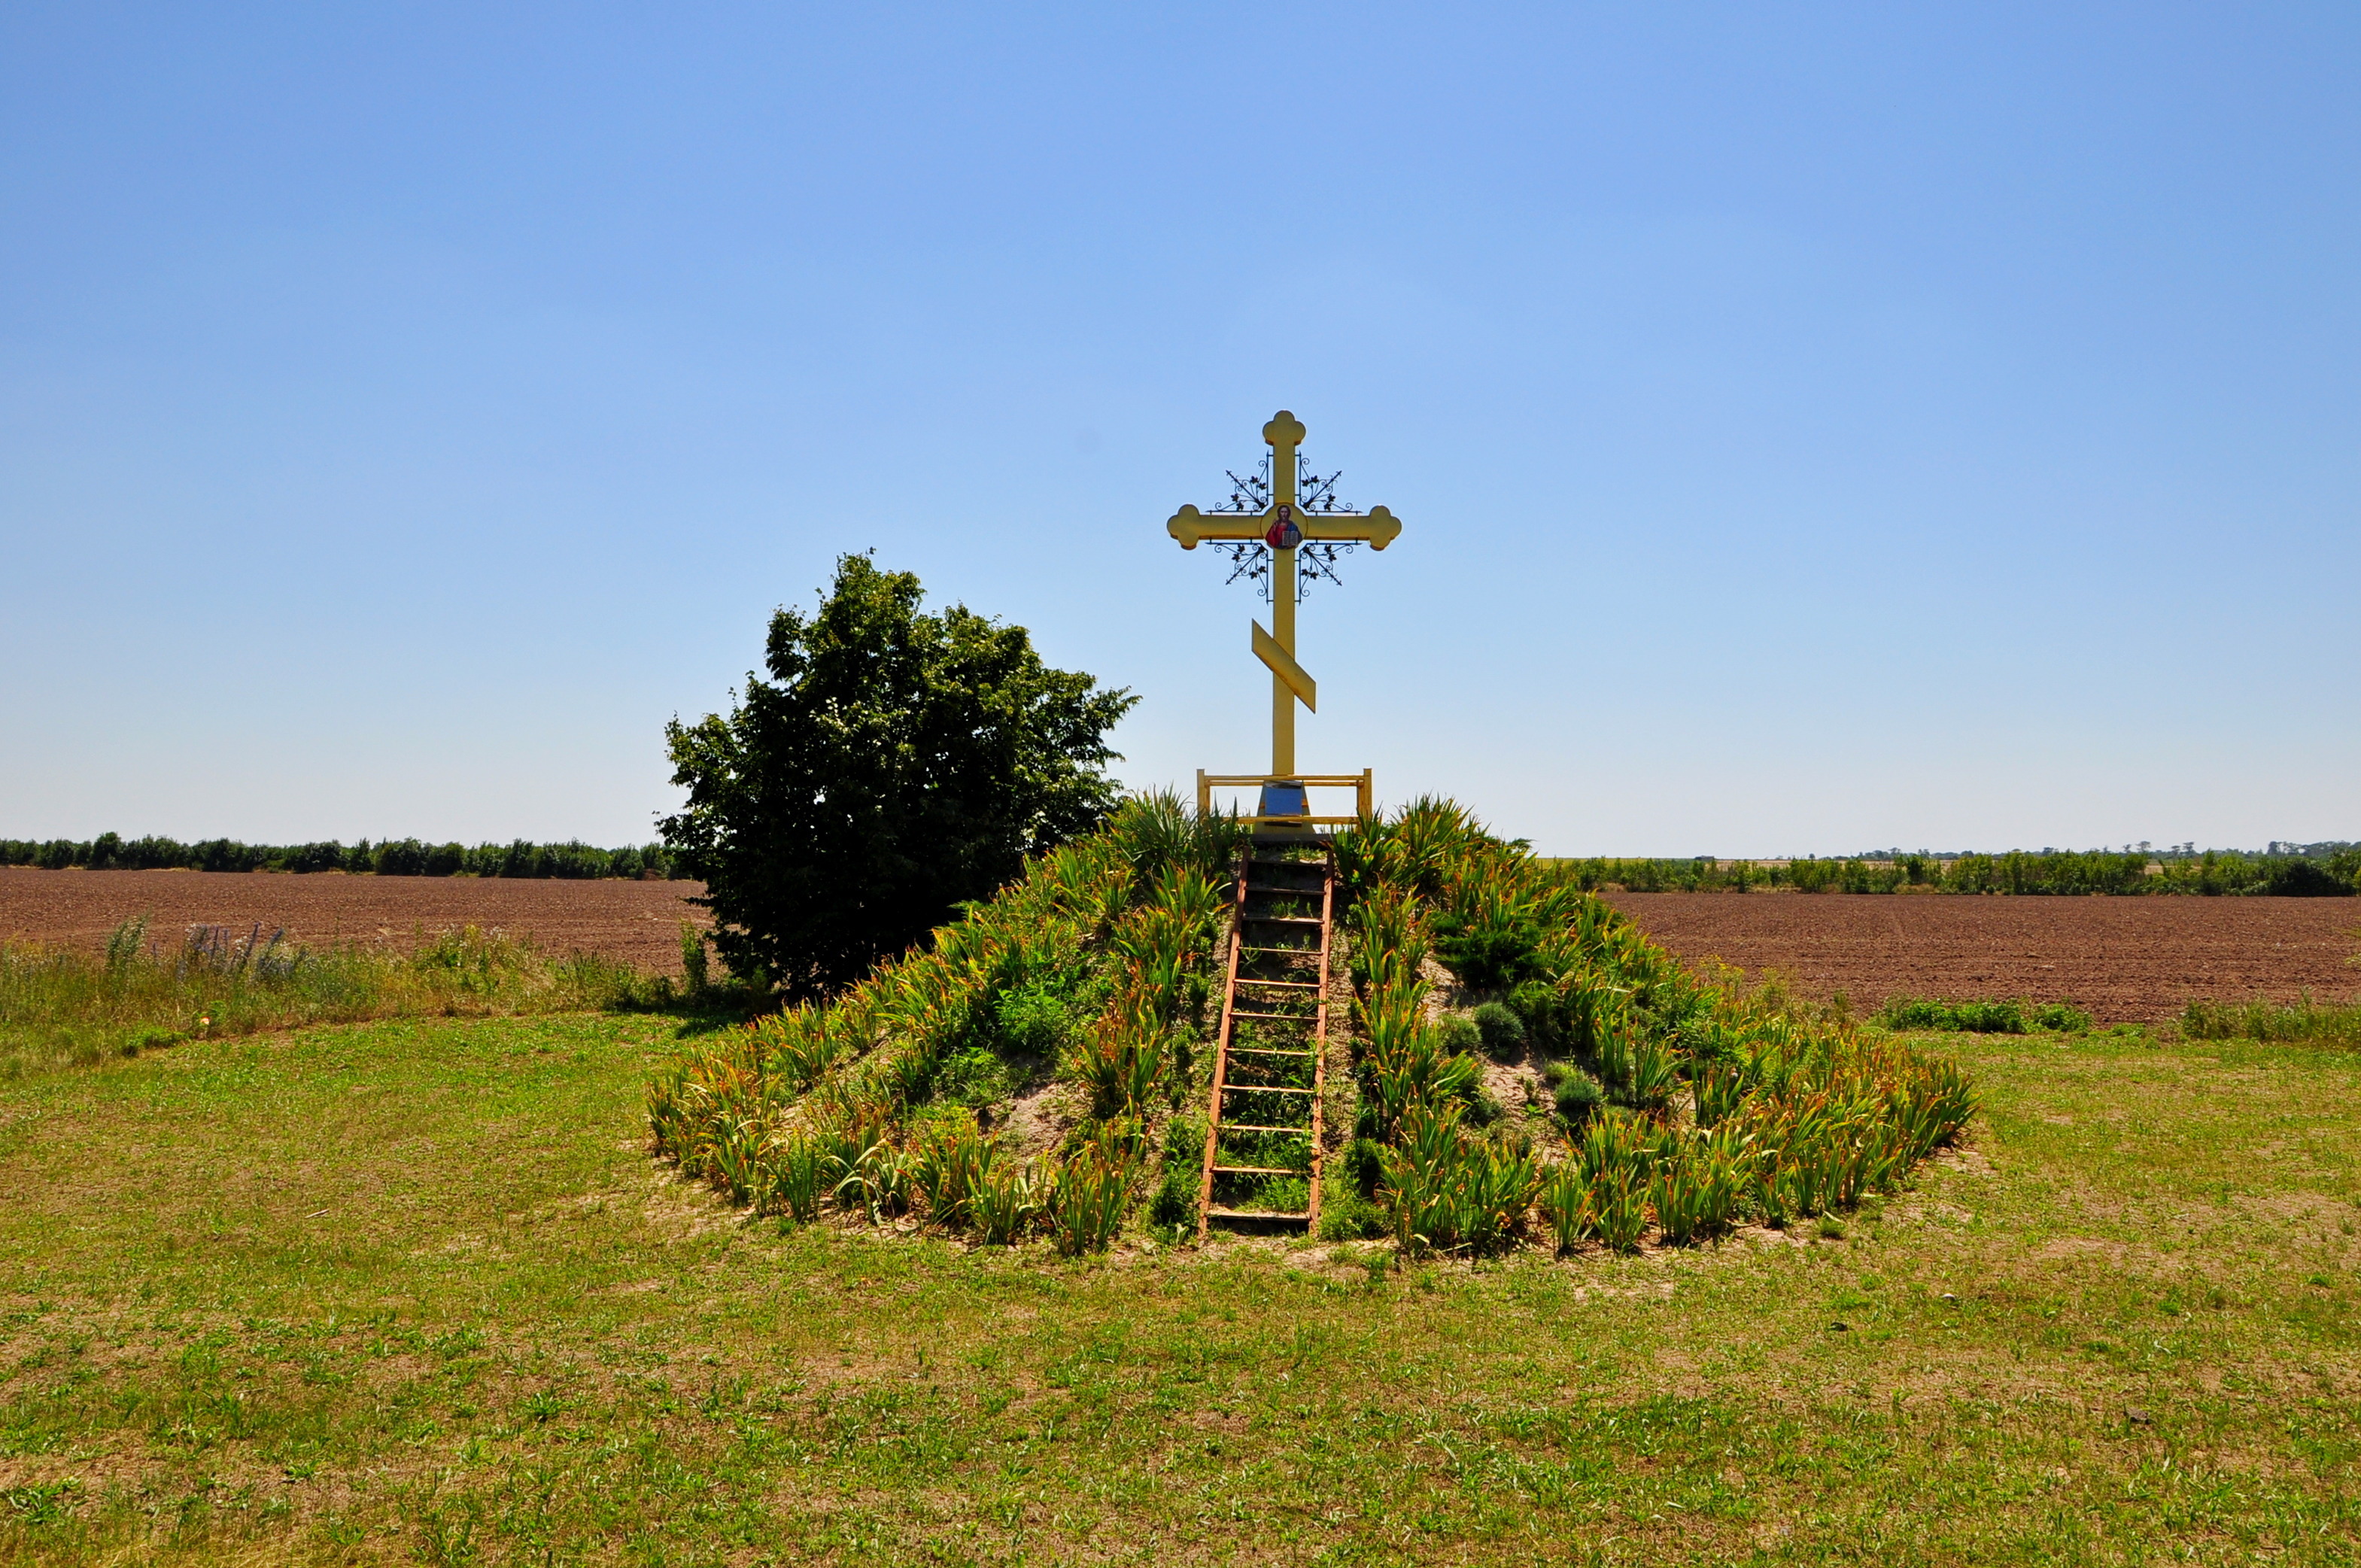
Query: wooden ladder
point(1277, 989)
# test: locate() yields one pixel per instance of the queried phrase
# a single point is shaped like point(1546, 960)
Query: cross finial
point(1285, 433)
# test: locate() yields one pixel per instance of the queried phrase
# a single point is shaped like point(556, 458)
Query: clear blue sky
point(1816, 428)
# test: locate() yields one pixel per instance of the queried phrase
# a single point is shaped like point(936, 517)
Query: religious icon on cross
point(1285, 526)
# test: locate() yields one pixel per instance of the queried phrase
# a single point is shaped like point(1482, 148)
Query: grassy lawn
point(412, 1291)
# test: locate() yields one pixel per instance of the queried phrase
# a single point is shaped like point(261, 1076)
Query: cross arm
point(1188, 526)
point(1377, 527)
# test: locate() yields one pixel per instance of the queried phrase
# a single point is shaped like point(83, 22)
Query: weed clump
point(2306, 1022)
point(1983, 1017)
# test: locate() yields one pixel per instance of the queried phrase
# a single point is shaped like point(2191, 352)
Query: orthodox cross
point(1283, 525)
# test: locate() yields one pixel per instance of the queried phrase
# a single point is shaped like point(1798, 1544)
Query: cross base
point(1283, 807)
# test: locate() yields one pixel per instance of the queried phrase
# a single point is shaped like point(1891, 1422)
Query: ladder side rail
point(1222, 1052)
point(1320, 1040)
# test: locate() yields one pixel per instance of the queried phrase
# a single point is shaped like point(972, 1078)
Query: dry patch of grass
point(411, 1291)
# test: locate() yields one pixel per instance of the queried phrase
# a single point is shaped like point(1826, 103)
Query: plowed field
point(2126, 959)
point(636, 921)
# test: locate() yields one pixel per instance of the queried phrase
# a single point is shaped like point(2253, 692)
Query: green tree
point(894, 765)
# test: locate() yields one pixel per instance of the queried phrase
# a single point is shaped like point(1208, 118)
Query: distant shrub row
point(391, 857)
point(1983, 1017)
point(2216, 872)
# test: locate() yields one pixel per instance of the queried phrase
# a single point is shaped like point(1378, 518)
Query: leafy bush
point(1033, 1019)
point(1456, 1032)
point(894, 766)
point(1575, 1094)
point(1500, 1032)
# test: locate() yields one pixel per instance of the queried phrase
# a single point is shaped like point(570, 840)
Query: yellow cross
point(1376, 528)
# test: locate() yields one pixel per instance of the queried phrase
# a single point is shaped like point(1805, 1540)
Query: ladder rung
point(1266, 1051)
point(1290, 984)
point(1254, 1214)
point(1282, 919)
point(1257, 1171)
point(1259, 1127)
point(1281, 1017)
point(1299, 952)
point(1260, 1089)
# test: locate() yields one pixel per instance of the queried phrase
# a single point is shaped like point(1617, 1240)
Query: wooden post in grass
point(1283, 526)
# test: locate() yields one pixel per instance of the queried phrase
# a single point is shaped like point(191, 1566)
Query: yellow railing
point(1364, 795)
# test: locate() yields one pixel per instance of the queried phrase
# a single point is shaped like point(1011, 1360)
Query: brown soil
point(2126, 959)
point(638, 922)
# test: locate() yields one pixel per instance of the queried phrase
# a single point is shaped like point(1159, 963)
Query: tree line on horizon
point(2321, 872)
point(2332, 871)
point(387, 856)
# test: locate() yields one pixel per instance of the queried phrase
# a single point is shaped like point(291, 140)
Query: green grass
point(413, 1291)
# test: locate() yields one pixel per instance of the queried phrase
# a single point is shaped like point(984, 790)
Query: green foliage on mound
point(1683, 1105)
point(1093, 969)
point(1726, 1105)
